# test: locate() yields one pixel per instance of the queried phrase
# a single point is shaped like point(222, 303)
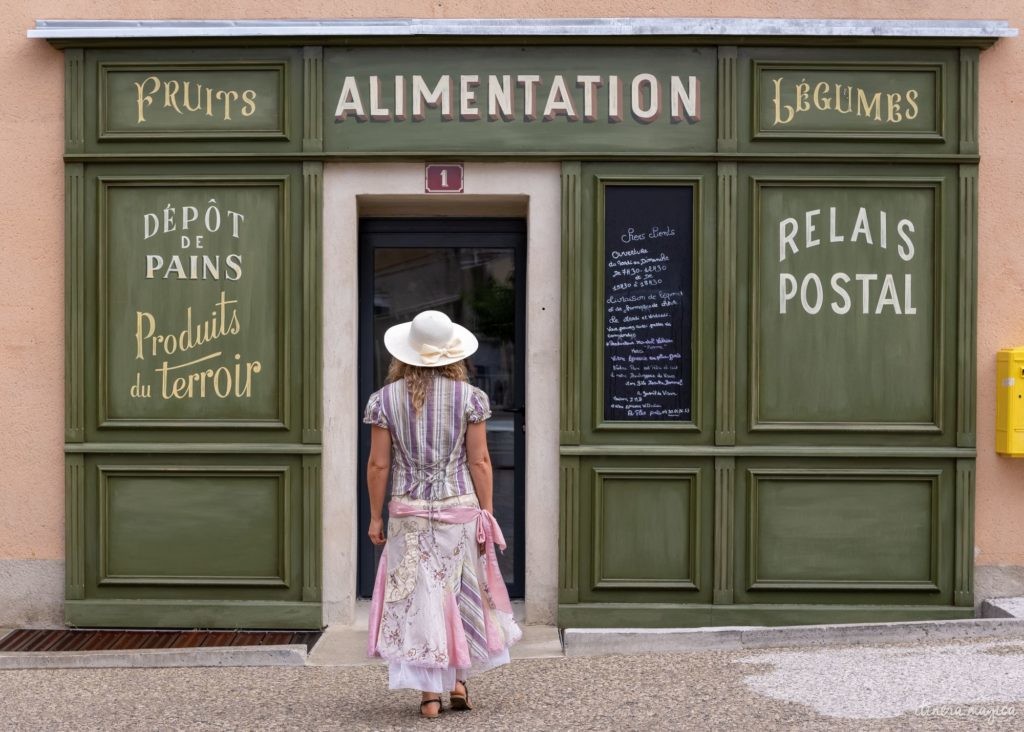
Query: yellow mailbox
point(1010, 402)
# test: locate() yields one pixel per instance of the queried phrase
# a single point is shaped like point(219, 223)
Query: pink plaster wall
point(31, 225)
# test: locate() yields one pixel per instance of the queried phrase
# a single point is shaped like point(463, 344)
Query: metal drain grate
point(28, 640)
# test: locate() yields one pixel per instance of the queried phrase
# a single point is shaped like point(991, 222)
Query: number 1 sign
point(443, 178)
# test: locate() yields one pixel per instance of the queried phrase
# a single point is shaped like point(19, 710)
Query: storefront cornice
point(537, 30)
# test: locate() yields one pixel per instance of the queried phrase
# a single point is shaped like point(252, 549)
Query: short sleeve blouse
point(478, 406)
point(374, 413)
point(428, 446)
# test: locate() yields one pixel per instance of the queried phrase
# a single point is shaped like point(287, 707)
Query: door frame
point(443, 233)
point(531, 189)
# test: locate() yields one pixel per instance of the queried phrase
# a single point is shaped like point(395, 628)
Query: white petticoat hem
point(403, 675)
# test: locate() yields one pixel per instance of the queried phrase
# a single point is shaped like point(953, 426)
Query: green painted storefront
point(802, 449)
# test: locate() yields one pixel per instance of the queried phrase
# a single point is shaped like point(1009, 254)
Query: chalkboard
point(648, 266)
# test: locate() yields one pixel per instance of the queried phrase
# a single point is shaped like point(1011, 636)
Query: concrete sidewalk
point(346, 645)
point(934, 685)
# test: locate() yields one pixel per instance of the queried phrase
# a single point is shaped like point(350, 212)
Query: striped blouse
point(428, 448)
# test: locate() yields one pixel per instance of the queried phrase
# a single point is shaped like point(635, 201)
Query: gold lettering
point(227, 97)
point(825, 96)
point(839, 99)
point(171, 95)
point(140, 318)
point(199, 97)
point(142, 98)
point(779, 106)
point(171, 390)
point(821, 99)
point(894, 111)
point(865, 107)
point(803, 89)
point(248, 103)
point(911, 104)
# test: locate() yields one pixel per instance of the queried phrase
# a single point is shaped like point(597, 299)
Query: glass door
point(472, 270)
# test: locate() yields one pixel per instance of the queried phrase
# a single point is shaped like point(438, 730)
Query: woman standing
point(440, 610)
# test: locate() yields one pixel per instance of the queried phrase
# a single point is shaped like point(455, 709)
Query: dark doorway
point(473, 270)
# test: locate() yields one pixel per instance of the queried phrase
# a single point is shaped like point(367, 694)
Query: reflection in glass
point(474, 287)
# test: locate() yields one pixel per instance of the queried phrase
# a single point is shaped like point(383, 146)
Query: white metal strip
point(100, 29)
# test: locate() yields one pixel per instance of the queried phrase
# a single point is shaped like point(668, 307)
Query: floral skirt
point(435, 616)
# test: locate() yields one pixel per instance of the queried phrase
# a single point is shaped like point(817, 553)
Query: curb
point(600, 641)
point(286, 655)
point(1003, 607)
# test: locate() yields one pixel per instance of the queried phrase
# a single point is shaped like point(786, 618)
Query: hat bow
point(432, 354)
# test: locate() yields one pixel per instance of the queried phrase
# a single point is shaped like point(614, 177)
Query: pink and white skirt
point(440, 609)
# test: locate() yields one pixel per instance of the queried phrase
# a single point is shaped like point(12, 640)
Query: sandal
point(460, 702)
point(440, 708)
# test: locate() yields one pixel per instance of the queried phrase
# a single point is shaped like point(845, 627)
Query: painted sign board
point(848, 100)
point(846, 277)
point(192, 278)
point(430, 100)
point(206, 100)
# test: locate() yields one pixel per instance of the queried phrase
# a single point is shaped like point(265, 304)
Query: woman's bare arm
point(480, 464)
point(377, 469)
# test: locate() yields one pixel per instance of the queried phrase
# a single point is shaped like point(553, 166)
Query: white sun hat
point(430, 339)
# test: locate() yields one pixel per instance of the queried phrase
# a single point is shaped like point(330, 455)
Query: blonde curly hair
point(418, 378)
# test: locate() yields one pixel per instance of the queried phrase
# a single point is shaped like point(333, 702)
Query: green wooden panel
point(562, 100)
point(846, 305)
point(207, 509)
point(74, 100)
point(202, 527)
point(312, 98)
point(74, 303)
point(192, 100)
point(312, 305)
point(725, 320)
point(728, 100)
point(571, 315)
point(664, 552)
point(842, 531)
point(205, 100)
point(963, 541)
point(595, 177)
point(642, 530)
point(840, 266)
point(568, 534)
point(967, 308)
point(193, 295)
point(969, 100)
point(74, 527)
point(849, 100)
point(821, 99)
point(312, 529)
point(194, 292)
point(188, 526)
point(724, 529)
point(820, 529)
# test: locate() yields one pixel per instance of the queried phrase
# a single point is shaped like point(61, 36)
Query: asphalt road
point(959, 685)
